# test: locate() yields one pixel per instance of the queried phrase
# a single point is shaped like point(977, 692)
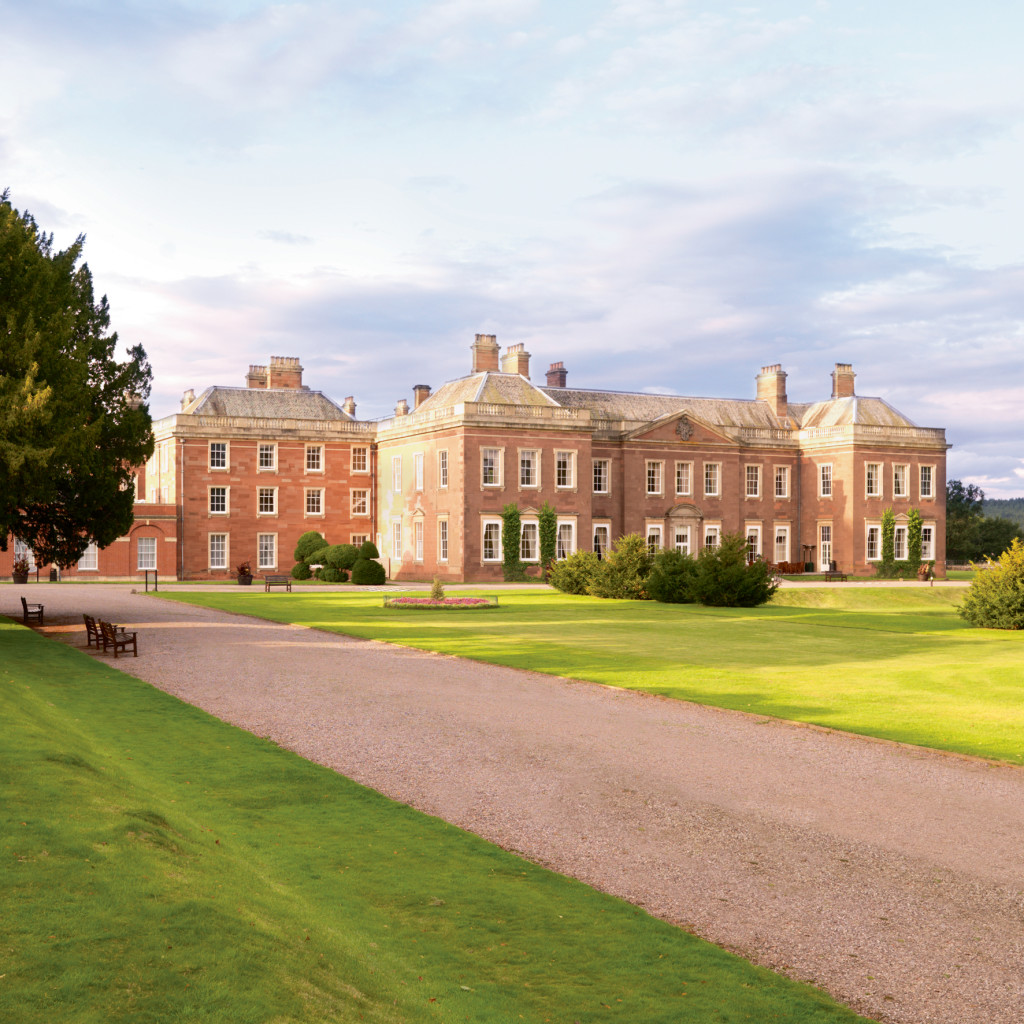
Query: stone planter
point(245, 581)
point(20, 577)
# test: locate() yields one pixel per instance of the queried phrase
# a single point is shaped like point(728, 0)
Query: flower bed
point(445, 602)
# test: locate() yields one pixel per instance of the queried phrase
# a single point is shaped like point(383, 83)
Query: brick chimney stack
point(256, 377)
point(842, 380)
point(402, 409)
point(285, 372)
point(485, 353)
point(349, 405)
point(516, 360)
point(771, 388)
point(557, 374)
point(420, 393)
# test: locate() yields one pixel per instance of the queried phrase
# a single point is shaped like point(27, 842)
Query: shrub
point(671, 578)
point(318, 557)
point(308, 543)
point(368, 550)
point(513, 569)
point(574, 575)
point(624, 571)
point(301, 571)
point(331, 575)
point(366, 572)
point(436, 590)
point(724, 579)
point(341, 556)
point(995, 598)
point(547, 532)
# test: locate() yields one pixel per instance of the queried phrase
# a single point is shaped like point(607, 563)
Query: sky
point(664, 195)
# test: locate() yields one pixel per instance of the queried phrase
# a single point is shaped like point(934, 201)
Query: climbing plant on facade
point(511, 531)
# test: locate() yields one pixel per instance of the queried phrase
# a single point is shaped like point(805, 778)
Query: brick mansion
point(239, 473)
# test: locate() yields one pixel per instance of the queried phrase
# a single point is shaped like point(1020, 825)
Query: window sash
point(314, 458)
point(873, 546)
point(314, 502)
point(711, 537)
point(417, 534)
point(600, 476)
point(360, 462)
point(147, 553)
point(90, 558)
point(490, 467)
point(218, 550)
point(396, 540)
point(267, 501)
point(527, 469)
point(218, 499)
point(601, 540)
point(899, 481)
point(529, 543)
point(684, 473)
point(927, 483)
point(873, 478)
point(266, 551)
point(442, 540)
point(218, 455)
point(267, 457)
point(681, 539)
point(782, 485)
point(900, 544)
point(653, 539)
point(360, 502)
point(396, 474)
point(417, 461)
point(492, 542)
point(826, 480)
point(563, 469)
point(564, 541)
point(927, 543)
point(711, 479)
point(653, 477)
point(753, 475)
point(781, 544)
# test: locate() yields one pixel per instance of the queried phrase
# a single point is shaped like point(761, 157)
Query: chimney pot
point(285, 372)
point(557, 374)
point(256, 377)
point(516, 360)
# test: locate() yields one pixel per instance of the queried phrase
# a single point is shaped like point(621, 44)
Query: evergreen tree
point(73, 420)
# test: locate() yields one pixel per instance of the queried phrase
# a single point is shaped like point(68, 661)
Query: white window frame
point(900, 550)
point(227, 500)
point(490, 528)
point(442, 540)
point(262, 447)
point(569, 458)
point(602, 475)
point(752, 474)
point(681, 538)
point(396, 474)
point(900, 480)
point(223, 538)
point(359, 501)
point(684, 478)
point(928, 546)
point(824, 546)
point(22, 550)
point(560, 548)
point(496, 458)
point(261, 493)
point(873, 473)
point(603, 542)
point(754, 530)
point(266, 542)
point(655, 477)
point(529, 459)
point(90, 560)
point(396, 539)
point(655, 537)
point(825, 480)
point(319, 492)
point(872, 531)
point(358, 539)
point(227, 457)
point(782, 483)
point(150, 546)
point(417, 540)
point(318, 450)
point(360, 459)
point(442, 468)
point(712, 536)
point(529, 541)
point(712, 480)
point(781, 531)
point(930, 492)
point(417, 467)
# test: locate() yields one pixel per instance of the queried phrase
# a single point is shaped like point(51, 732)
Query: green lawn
point(161, 866)
point(893, 662)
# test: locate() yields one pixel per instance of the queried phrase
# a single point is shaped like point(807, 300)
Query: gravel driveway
point(891, 876)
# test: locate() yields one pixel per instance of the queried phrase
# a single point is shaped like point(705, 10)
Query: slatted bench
point(92, 631)
point(31, 611)
point(831, 576)
point(116, 639)
point(277, 581)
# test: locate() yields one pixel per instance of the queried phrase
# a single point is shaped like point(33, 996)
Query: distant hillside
point(1005, 508)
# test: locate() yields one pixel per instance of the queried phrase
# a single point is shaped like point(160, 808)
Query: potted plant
point(244, 574)
point(20, 570)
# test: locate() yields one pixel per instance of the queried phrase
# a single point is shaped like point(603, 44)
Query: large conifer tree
point(73, 421)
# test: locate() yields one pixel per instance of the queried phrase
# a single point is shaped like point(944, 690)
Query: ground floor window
point(492, 542)
point(530, 543)
point(753, 542)
point(442, 540)
point(900, 544)
point(873, 547)
point(90, 560)
point(147, 553)
point(825, 540)
point(396, 539)
point(653, 539)
point(712, 537)
point(266, 550)
point(565, 542)
point(218, 550)
point(22, 550)
point(417, 538)
point(781, 543)
point(927, 543)
point(601, 542)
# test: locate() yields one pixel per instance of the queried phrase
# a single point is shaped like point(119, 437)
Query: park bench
point(114, 638)
point(92, 631)
point(277, 581)
point(831, 575)
point(31, 611)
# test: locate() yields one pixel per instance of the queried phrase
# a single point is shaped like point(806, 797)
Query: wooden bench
point(31, 611)
point(114, 638)
point(831, 575)
point(277, 581)
point(92, 631)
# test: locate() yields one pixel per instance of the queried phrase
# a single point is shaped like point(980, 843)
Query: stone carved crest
point(684, 429)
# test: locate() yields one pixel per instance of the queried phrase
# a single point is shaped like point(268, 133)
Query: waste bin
point(53, 575)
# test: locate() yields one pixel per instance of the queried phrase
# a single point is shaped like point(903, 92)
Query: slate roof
point(489, 386)
point(839, 412)
point(266, 403)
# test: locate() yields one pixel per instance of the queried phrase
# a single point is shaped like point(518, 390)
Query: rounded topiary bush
point(368, 550)
point(995, 598)
point(341, 556)
point(301, 571)
point(573, 575)
point(331, 575)
point(671, 578)
point(309, 542)
point(366, 572)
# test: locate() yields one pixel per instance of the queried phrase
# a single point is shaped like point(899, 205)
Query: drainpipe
point(179, 501)
point(373, 493)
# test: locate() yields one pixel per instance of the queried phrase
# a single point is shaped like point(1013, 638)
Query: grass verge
point(890, 662)
point(161, 866)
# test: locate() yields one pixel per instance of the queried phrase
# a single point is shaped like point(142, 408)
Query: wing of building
point(239, 473)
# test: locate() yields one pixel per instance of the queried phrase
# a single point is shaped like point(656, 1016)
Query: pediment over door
point(684, 511)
